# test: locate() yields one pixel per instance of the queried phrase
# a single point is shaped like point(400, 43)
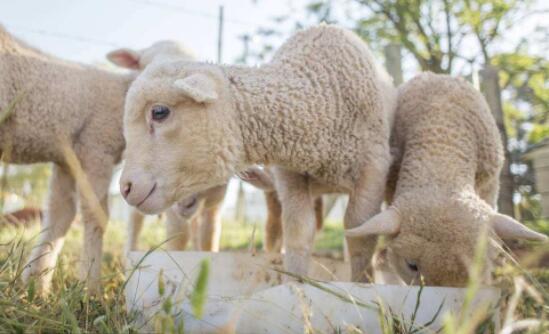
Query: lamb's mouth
point(187, 207)
point(191, 203)
point(147, 197)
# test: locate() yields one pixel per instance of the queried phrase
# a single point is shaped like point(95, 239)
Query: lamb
point(319, 111)
point(60, 104)
point(443, 185)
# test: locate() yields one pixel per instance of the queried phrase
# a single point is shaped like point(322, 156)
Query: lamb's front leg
point(365, 202)
point(61, 209)
point(298, 219)
point(95, 213)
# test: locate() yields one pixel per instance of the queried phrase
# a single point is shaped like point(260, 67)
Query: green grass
point(238, 236)
point(69, 310)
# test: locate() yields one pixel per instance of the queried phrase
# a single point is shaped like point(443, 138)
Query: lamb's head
point(437, 239)
point(181, 134)
point(159, 51)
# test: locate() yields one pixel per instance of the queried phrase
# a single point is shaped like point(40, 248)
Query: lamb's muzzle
point(139, 190)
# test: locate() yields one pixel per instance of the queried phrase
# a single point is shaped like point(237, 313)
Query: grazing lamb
point(443, 185)
point(60, 104)
point(320, 110)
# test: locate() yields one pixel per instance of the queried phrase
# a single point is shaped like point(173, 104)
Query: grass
point(68, 309)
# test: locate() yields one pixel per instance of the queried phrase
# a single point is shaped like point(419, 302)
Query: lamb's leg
point(273, 226)
point(61, 209)
point(364, 203)
point(94, 219)
point(195, 231)
point(319, 212)
point(135, 225)
point(210, 228)
point(178, 229)
point(298, 219)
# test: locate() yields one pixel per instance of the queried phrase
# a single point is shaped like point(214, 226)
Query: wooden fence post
point(393, 62)
point(489, 86)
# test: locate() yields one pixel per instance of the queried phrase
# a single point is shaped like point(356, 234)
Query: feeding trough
point(246, 293)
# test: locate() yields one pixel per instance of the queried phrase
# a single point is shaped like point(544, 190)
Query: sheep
point(54, 104)
point(443, 185)
point(319, 111)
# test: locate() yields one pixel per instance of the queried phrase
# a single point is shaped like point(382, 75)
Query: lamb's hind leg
point(135, 225)
point(298, 219)
point(210, 229)
point(61, 209)
point(273, 226)
point(364, 202)
point(178, 230)
point(95, 213)
point(210, 224)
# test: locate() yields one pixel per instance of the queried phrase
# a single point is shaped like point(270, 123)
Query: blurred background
point(499, 45)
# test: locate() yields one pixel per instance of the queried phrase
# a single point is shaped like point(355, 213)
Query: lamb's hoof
point(40, 281)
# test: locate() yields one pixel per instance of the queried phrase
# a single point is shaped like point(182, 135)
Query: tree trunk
point(489, 85)
point(393, 62)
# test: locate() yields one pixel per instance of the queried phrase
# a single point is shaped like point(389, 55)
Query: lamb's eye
point(412, 265)
point(159, 113)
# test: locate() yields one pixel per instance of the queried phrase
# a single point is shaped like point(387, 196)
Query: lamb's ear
point(126, 58)
point(258, 177)
point(386, 222)
point(508, 228)
point(198, 87)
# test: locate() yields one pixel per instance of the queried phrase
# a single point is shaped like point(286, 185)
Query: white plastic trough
point(246, 294)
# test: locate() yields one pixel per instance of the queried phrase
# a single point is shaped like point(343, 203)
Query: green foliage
point(198, 297)
point(28, 184)
point(525, 80)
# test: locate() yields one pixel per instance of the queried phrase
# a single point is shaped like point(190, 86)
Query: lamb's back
point(51, 99)
point(354, 96)
point(447, 120)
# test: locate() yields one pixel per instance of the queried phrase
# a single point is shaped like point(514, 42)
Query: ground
point(68, 309)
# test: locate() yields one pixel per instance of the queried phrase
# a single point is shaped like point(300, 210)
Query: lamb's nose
point(126, 189)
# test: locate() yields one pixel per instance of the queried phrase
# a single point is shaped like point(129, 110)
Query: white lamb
point(443, 185)
point(57, 103)
point(320, 110)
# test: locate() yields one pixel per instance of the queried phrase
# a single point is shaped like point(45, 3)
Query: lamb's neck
point(262, 98)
